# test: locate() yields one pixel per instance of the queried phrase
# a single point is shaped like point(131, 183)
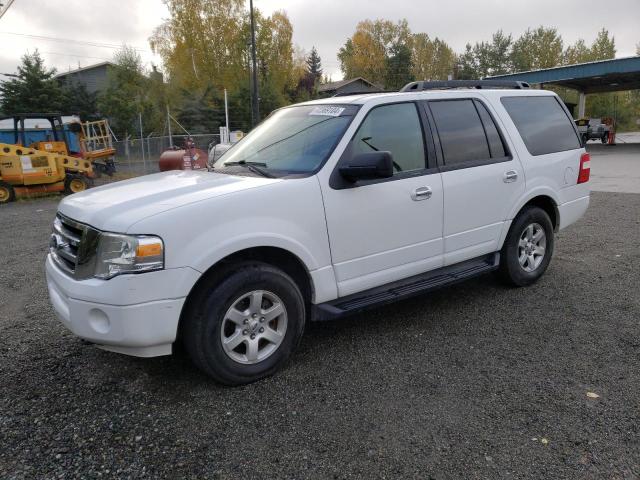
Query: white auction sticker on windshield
point(327, 111)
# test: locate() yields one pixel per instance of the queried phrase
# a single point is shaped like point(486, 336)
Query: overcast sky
point(325, 24)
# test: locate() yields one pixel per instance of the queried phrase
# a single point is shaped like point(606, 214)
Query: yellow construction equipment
point(96, 144)
point(25, 171)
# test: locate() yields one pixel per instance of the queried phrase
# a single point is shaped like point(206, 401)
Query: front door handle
point(510, 176)
point(422, 193)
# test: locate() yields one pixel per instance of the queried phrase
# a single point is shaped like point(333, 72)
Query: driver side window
point(394, 128)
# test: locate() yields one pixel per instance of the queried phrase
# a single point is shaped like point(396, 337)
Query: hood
point(117, 206)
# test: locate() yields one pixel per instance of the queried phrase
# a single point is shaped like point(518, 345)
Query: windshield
point(292, 140)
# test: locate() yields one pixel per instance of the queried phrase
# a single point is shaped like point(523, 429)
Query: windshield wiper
point(255, 167)
point(366, 141)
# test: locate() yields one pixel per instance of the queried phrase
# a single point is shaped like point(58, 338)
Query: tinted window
point(395, 128)
point(543, 124)
point(461, 133)
point(493, 137)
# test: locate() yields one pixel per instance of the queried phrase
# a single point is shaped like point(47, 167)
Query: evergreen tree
point(79, 101)
point(34, 90)
point(398, 67)
point(467, 65)
point(314, 64)
point(603, 47)
point(128, 94)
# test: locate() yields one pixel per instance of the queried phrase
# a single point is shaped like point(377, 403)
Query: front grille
point(73, 246)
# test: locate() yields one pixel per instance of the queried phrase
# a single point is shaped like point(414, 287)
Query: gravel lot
point(475, 381)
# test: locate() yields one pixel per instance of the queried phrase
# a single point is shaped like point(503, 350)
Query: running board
point(406, 288)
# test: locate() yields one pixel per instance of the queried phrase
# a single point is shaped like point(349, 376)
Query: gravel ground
point(474, 381)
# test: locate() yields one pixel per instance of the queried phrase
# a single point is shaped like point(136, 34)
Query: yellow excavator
point(43, 166)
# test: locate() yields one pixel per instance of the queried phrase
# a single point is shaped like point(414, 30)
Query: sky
point(90, 31)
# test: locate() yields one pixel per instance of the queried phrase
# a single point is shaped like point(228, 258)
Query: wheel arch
point(278, 257)
point(547, 204)
point(543, 198)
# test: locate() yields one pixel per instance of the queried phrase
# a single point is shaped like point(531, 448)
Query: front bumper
point(131, 314)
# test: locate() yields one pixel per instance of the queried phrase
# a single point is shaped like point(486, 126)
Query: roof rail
point(446, 84)
point(361, 92)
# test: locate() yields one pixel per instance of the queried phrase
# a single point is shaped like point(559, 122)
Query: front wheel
point(527, 250)
point(76, 183)
point(245, 325)
point(7, 193)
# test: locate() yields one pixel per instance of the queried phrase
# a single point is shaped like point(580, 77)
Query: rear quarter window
point(542, 123)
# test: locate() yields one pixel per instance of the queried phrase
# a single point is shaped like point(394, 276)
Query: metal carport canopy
point(593, 77)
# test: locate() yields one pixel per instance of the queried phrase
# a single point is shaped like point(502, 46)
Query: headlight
point(128, 254)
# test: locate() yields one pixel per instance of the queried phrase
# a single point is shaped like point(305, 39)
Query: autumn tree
point(367, 52)
point(431, 59)
point(205, 47)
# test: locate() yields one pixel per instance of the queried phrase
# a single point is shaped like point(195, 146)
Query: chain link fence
point(135, 157)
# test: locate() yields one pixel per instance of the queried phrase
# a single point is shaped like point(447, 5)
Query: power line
point(5, 7)
point(69, 40)
point(72, 55)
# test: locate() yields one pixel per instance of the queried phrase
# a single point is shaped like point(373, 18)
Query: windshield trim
point(279, 173)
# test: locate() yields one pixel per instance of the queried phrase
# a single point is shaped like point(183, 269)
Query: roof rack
point(479, 84)
point(360, 92)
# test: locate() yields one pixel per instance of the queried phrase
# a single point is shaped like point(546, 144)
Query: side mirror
point(368, 166)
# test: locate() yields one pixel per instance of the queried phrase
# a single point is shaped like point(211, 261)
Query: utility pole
point(226, 113)
point(169, 127)
point(144, 162)
point(255, 107)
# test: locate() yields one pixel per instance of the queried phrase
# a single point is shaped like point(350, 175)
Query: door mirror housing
point(367, 166)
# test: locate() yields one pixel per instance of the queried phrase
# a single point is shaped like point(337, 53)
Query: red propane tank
point(174, 159)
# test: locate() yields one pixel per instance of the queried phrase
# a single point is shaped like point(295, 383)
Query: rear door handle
point(422, 193)
point(510, 176)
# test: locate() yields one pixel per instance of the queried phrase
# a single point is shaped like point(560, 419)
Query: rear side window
point(542, 123)
point(462, 136)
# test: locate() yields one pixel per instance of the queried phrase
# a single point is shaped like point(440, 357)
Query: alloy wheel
point(531, 247)
point(253, 327)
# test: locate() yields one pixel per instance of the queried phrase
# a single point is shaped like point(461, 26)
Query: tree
point(577, 53)
point(467, 67)
point(127, 95)
point(497, 57)
point(603, 47)
point(34, 90)
point(314, 64)
point(537, 49)
point(431, 59)
point(77, 100)
point(398, 67)
point(205, 44)
point(366, 53)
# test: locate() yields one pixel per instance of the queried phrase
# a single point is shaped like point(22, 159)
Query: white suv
point(325, 209)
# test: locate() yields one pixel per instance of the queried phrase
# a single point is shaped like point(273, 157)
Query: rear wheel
point(7, 193)
point(528, 247)
point(76, 183)
point(245, 325)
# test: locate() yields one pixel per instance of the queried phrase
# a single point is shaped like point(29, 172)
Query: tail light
point(585, 169)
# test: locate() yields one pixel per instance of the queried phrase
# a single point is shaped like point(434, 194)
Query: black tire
point(74, 183)
point(204, 320)
point(7, 193)
point(511, 271)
